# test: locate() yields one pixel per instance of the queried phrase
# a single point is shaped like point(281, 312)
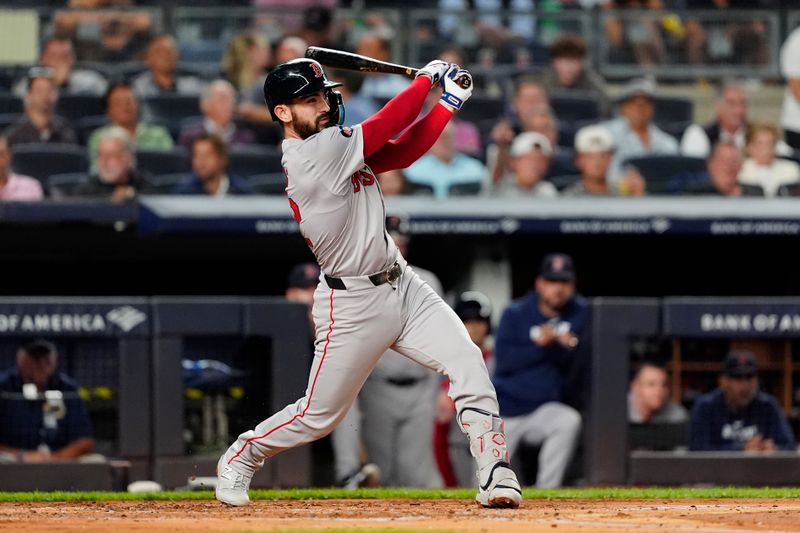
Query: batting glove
point(435, 70)
point(457, 84)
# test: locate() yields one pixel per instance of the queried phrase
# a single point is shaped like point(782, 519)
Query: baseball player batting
point(368, 300)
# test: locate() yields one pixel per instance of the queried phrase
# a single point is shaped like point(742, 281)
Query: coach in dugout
point(738, 416)
point(536, 348)
point(35, 427)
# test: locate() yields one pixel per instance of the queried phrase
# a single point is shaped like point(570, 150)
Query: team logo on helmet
point(317, 70)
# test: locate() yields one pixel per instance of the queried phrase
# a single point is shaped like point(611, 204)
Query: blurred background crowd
point(115, 98)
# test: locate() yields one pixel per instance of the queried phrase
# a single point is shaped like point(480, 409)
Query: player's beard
point(306, 129)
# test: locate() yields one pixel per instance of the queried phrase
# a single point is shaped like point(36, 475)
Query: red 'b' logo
point(317, 70)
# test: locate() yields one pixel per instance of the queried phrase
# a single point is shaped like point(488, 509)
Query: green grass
point(384, 493)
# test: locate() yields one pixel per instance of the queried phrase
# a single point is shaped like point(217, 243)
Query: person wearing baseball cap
point(737, 415)
point(530, 158)
point(634, 132)
point(537, 348)
point(594, 152)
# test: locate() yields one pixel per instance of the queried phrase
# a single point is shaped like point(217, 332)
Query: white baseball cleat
point(501, 489)
point(232, 485)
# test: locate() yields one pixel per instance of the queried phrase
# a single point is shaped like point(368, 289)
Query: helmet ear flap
point(337, 112)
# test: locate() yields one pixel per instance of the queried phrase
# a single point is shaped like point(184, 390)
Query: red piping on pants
point(310, 394)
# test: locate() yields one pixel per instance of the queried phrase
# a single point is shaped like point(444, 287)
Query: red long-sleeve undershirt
point(380, 152)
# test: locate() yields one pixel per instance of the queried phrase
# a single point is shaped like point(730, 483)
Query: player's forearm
point(75, 449)
point(413, 143)
point(395, 116)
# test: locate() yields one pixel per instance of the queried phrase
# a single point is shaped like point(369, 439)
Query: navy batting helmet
point(301, 77)
point(473, 305)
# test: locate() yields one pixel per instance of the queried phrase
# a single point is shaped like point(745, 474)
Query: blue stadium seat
point(86, 125)
point(576, 106)
point(41, 160)
point(7, 119)
point(10, 103)
point(657, 170)
point(673, 109)
point(63, 185)
point(563, 164)
point(163, 183)
point(254, 160)
point(465, 189)
point(271, 183)
point(158, 162)
point(171, 107)
point(77, 106)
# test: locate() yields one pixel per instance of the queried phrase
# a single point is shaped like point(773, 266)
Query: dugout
point(265, 338)
point(692, 334)
point(104, 345)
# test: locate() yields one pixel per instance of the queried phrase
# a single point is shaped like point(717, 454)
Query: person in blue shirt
point(737, 416)
point(35, 429)
point(535, 350)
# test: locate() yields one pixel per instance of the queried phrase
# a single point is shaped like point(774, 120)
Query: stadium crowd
point(550, 129)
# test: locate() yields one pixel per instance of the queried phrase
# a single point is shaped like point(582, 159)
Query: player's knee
point(570, 421)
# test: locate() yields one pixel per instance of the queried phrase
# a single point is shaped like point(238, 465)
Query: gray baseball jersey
point(337, 202)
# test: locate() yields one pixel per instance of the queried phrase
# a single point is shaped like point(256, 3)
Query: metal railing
point(669, 45)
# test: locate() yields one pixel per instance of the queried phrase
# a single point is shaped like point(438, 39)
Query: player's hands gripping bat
point(457, 84)
point(435, 70)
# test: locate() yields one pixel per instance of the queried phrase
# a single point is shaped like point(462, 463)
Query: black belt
point(403, 382)
point(387, 276)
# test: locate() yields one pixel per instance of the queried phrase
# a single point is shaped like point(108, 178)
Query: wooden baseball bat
point(350, 61)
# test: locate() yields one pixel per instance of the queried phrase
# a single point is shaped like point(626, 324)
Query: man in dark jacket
point(535, 350)
point(40, 123)
point(209, 170)
point(737, 416)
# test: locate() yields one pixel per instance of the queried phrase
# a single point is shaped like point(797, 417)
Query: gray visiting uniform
point(339, 206)
point(394, 416)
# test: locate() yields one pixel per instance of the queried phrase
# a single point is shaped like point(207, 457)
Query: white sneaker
point(232, 485)
point(501, 488)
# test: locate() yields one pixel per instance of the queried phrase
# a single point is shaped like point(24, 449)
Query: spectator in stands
point(122, 109)
point(209, 170)
point(107, 35)
point(790, 69)
point(568, 70)
point(288, 48)
point(762, 167)
point(40, 123)
point(247, 56)
point(640, 37)
point(115, 177)
point(539, 119)
point(218, 105)
point(535, 345)
point(456, 465)
point(443, 166)
point(252, 108)
point(729, 126)
point(594, 149)
point(529, 94)
point(737, 415)
point(15, 187)
point(721, 176)
point(379, 85)
point(59, 55)
point(162, 76)
point(318, 27)
point(34, 429)
point(634, 132)
point(530, 158)
point(648, 399)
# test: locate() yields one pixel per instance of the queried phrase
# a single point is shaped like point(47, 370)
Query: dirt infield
point(592, 516)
